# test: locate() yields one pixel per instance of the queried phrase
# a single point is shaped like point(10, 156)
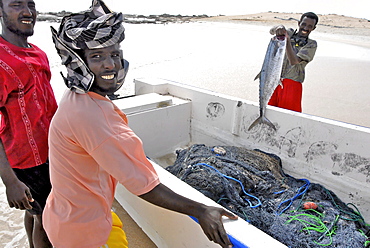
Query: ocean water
point(225, 58)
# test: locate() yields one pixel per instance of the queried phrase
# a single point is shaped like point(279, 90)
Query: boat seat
point(140, 103)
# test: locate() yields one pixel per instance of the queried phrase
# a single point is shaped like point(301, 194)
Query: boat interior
point(168, 116)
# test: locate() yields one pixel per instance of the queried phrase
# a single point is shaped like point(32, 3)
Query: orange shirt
point(91, 149)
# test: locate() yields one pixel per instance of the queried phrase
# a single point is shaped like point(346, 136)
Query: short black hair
point(310, 15)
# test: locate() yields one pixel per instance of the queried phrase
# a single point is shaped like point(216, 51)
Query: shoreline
point(346, 29)
point(128, 18)
point(350, 30)
point(270, 18)
point(331, 22)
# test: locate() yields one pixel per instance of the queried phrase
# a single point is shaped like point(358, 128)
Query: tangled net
point(252, 184)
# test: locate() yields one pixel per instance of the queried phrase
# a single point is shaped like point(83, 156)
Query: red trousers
point(289, 96)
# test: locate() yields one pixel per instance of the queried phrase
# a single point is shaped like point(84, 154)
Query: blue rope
point(303, 189)
point(279, 192)
point(236, 180)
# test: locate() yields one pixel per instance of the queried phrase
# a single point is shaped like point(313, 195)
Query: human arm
point(128, 164)
point(210, 218)
point(18, 194)
point(291, 55)
point(280, 30)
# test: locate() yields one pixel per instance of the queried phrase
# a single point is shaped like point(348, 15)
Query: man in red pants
point(300, 50)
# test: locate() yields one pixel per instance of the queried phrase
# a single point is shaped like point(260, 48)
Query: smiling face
point(306, 26)
point(18, 18)
point(105, 63)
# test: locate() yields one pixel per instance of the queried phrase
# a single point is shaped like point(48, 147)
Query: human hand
point(280, 30)
point(211, 223)
point(19, 196)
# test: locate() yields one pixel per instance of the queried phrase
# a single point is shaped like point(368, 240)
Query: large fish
point(270, 76)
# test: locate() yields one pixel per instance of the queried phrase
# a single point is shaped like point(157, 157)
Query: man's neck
point(17, 40)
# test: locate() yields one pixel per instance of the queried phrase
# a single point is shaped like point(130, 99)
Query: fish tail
point(262, 120)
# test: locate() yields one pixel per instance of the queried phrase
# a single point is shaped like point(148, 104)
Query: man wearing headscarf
point(92, 148)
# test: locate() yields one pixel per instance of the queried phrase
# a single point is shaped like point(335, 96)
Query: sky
point(353, 8)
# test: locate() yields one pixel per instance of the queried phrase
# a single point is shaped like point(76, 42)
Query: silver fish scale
point(270, 77)
point(271, 69)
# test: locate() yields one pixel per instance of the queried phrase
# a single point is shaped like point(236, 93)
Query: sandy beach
point(224, 54)
point(337, 80)
point(334, 24)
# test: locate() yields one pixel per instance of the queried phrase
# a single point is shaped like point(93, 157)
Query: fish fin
point(258, 76)
point(262, 120)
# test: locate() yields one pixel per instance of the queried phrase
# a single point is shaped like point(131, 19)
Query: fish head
point(280, 37)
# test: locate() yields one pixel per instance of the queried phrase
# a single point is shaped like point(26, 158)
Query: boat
point(168, 116)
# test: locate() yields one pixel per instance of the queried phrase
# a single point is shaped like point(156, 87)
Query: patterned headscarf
point(97, 27)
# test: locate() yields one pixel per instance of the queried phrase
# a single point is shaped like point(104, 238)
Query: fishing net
point(252, 184)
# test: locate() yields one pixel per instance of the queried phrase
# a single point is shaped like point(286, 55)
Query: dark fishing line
point(230, 175)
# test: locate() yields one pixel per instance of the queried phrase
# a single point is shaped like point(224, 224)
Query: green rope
point(357, 214)
point(315, 223)
point(222, 198)
point(367, 242)
point(246, 218)
point(353, 216)
point(331, 230)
